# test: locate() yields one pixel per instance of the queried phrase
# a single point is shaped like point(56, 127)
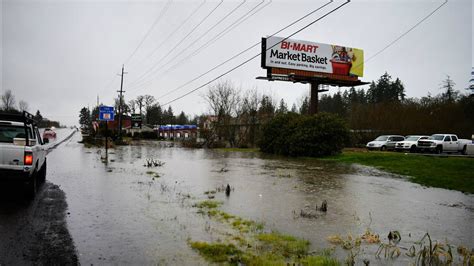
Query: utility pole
point(121, 91)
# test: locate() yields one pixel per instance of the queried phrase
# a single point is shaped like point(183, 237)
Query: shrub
point(274, 138)
point(299, 135)
point(149, 135)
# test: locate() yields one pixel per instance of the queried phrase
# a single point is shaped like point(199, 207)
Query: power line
point(160, 16)
point(257, 55)
point(179, 43)
point(221, 34)
point(247, 49)
point(192, 54)
point(173, 32)
point(405, 33)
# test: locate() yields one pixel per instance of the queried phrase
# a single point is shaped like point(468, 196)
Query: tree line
point(382, 108)
point(8, 105)
point(146, 105)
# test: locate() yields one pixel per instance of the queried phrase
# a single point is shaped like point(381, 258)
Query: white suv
point(410, 143)
point(384, 142)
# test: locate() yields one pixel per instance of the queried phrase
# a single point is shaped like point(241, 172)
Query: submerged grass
point(246, 243)
point(208, 204)
point(443, 172)
point(286, 245)
point(216, 252)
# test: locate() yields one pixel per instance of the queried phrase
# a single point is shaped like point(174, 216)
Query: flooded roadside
point(125, 212)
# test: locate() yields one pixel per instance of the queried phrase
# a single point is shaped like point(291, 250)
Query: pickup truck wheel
point(413, 149)
point(42, 175)
point(383, 148)
point(464, 150)
point(439, 150)
point(31, 187)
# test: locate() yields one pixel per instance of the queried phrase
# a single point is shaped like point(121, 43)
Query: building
point(178, 131)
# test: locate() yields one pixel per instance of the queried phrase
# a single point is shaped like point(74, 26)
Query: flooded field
point(124, 212)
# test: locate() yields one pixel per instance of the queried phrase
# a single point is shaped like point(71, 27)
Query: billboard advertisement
point(279, 52)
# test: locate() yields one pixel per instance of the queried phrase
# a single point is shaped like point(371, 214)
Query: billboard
point(278, 52)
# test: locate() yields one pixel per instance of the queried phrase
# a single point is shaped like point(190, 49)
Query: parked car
point(440, 143)
point(384, 142)
point(49, 133)
point(22, 155)
point(410, 143)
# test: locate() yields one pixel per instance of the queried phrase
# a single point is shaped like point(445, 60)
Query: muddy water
point(119, 214)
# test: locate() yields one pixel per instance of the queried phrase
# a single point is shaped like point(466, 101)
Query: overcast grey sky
point(59, 55)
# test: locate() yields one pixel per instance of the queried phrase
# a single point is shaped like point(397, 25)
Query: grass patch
point(245, 243)
point(238, 149)
point(287, 246)
point(319, 260)
point(208, 204)
point(443, 172)
point(216, 252)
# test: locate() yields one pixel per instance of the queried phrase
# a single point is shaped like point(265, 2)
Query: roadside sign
point(106, 113)
point(136, 121)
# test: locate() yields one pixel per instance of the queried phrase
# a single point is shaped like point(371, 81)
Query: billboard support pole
point(313, 100)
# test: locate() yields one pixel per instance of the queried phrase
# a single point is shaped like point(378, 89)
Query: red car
point(49, 134)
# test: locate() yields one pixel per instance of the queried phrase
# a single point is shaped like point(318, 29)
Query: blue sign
point(106, 113)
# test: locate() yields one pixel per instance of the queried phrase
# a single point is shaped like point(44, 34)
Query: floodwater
point(119, 214)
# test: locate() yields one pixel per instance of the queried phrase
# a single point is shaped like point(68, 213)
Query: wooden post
point(313, 101)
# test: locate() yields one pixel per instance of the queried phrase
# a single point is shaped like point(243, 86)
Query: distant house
point(209, 121)
point(126, 122)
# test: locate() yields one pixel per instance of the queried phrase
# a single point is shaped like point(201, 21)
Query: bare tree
point(8, 100)
point(223, 99)
point(149, 101)
point(248, 117)
point(139, 101)
point(23, 106)
point(132, 104)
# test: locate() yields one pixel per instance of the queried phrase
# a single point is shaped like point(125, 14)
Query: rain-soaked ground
point(121, 212)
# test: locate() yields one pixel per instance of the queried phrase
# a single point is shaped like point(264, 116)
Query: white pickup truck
point(440, 143)
point(22, 151)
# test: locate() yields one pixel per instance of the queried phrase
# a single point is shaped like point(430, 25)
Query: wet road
point(121, 212)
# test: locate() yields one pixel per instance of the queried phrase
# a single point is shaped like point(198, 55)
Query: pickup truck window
point(454, 138)
point(447, 138)
point(8, 133)
point(437, 137)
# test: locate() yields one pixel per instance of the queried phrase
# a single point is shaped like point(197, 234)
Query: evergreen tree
point(449, 94)
point(294, 109)
point(182, 119)
point(155, 115)
point(282, 108)
point(266, 109)
point(84, 118)
point(38, 116)
point(304, 108)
